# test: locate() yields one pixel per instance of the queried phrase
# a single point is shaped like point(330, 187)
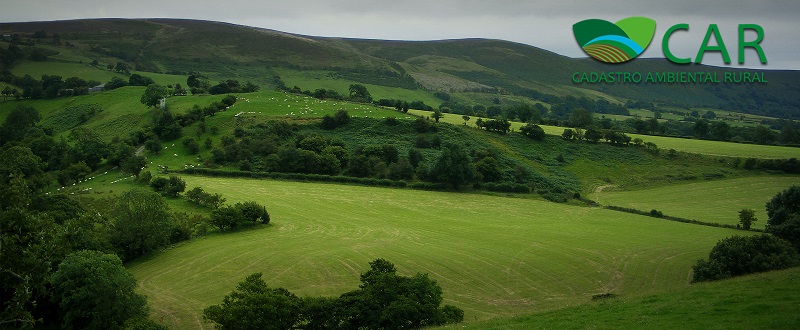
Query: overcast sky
point(544, 24)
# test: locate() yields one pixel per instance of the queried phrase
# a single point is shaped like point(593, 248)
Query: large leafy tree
point(17, 123)
point(89, 147)
point(453, 167)
point(95, 291)
point(31, 242)
point(134, 165)
point(359, 93)
point(253, 305)
point(437, 114)
point(31, 245)
point(141, 223)
point(747, 217)
point(252, 211)
point(386, 300)
point(533, 131)
point(153, 95)
point(580, 117)
point(20, 161)
point(784, 215)
point(228, 217)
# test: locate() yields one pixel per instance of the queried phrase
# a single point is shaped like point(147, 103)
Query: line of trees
point(356, 93)
point(49, 87)
point(594, 135)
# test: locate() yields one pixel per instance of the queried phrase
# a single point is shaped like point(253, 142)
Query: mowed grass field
point(705, 147)
point(711, 201)
point(758, 301)
point(493, 256)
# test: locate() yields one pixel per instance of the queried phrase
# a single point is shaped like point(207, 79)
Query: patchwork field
point(493, 256)
point(712, 201)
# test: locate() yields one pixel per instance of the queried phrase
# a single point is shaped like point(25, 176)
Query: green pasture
point(705, 147)
point(493, 256)
point(712, 201)
point(759, 301)
point(279, 104)
point(122, 111)
point(87, 72)
point(732, 118)
point(719, 148)
point(65, 70)
point(312, 80)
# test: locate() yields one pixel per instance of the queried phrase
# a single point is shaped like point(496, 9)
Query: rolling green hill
point(492, 67)
point(556, 164)
point(493, 256)
point(496, 255)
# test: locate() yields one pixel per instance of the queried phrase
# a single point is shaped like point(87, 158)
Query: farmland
point(493, 256)
point(505, 223)
point(711, 201)
point(705, 147)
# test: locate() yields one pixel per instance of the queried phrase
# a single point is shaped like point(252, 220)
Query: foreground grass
point(760, 301)
point(493, 256)
point(704, 147)
point(711, 201)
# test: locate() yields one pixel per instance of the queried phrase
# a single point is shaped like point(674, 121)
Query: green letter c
point(665, 44)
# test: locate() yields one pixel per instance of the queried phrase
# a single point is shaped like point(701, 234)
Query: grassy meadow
point(759, 301)
point(716, 201)
point(493, 256)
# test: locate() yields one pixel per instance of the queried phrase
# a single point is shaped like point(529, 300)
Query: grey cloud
point(545, 24)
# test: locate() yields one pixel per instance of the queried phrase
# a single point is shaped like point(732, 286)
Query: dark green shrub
point(740, 255)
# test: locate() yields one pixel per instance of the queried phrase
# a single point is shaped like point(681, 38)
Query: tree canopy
point(95, 291)
point(141, 223)
point(783, 211)
point(740, 255)
point(153, 94)
point(359, 93)
point(453, 167)
point(253, 305)
point(384, 300)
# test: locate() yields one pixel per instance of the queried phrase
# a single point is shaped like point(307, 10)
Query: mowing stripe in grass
point(493, 256)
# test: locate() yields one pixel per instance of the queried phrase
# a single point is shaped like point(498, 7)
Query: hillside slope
point(487, 66)
point(759, 301)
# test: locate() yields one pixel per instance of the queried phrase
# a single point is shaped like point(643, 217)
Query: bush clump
point(740, 255)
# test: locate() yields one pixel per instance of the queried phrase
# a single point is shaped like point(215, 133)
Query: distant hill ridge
point(483, 65)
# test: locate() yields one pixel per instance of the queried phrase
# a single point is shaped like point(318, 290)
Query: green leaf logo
point(615, 43)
